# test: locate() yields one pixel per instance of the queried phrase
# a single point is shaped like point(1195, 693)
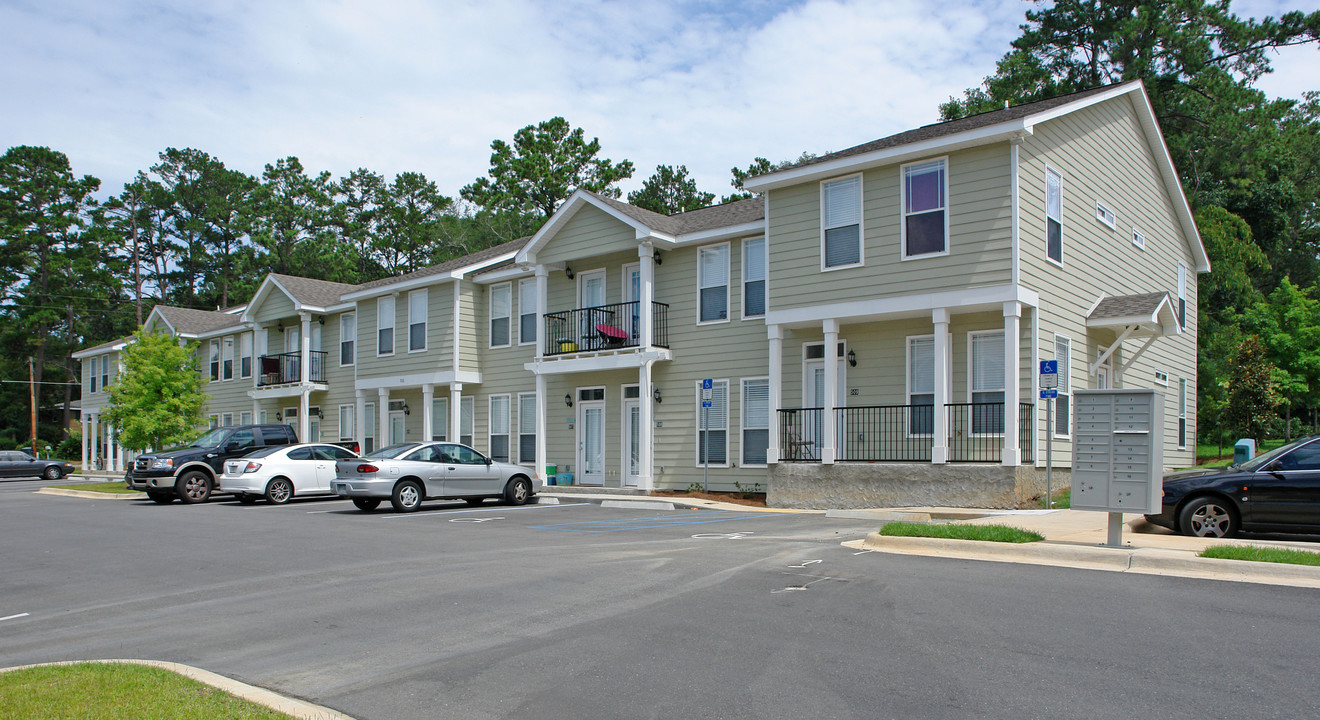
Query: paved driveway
point(577, 611)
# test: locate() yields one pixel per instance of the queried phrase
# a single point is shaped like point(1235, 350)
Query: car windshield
point(1264, 459)
point(210, 439)
point(391, 451)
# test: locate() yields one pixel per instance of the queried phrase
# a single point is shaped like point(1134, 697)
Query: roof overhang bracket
point(1095, 366)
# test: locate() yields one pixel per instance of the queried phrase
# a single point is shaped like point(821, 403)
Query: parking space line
point(14, 617)
point(649, 523)
point(479, 510)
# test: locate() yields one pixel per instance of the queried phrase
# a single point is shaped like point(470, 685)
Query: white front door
point(591, 443)
point(396, 427)
point(632, 441)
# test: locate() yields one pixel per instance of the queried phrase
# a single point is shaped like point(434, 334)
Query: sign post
point(707, 390)
point(1049, 390)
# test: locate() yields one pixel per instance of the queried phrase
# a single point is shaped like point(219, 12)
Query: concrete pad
point(543, 500)
point(638, 504)
point(880, 516)
point(91, 495)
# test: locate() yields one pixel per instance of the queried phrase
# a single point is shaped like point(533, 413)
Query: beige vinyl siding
point(502, 373)
point(1102, 154)
point(473, 332)
point(438, 355)
point(590, 232)
point(980, 239)
point(276, 305)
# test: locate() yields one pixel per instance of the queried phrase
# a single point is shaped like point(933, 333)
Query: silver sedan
point(409, 473)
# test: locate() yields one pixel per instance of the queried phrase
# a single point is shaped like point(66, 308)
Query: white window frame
point(348, 336)
point(493, 432)
point(715, 384)
point(226, 419)
point(245, 417)
point(386, 310)
point(245, 344)
point(215, 361)
point(861, 222)
point(1105, 216)
point(467, 419)
point(907, 375)
point(728, 281)
point(1138, 238)
point(506, 289)
point(227, 358)
point(1161, 377)
point(369, 426)
point(214, 421)
point(93, 374)
point(105, 371)
point(413, 321)
point(527, 294)
point(764, 279)
point(1182, 414)
point(742, 419)
point(347, 421)
point(903, 214)
point(1048, 172)
point(1182, 296)
point(1065, 386)
point(971, 376)
point(523, 398)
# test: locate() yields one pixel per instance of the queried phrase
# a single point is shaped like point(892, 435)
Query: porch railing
point(903, 433)
point(604, 327)
point(286, 368)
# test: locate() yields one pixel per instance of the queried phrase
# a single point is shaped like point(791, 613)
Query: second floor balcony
point(286, 369)
point(603, 328)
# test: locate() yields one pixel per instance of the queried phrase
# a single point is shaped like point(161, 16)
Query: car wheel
point(193, 487)
point(518, 491)
point(474, 501)
point(366, 504)
point(278, 491)
point(1208, 517)
point(53, 473)
point(407, 496)
point(246, 499)
point(164, 498)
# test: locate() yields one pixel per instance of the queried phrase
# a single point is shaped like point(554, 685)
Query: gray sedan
point(409, 473)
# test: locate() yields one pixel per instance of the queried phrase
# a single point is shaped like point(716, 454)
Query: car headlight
point(162, 463)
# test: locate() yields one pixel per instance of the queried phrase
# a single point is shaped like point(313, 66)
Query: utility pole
point(32, 397)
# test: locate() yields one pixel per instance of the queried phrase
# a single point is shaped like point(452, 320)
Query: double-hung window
point(713, 281)
point(245, 355)
point(245, 417)
point(921, 385)
point(841, 226)
point(440, 419)
point(499, 427)
point(347, 422)
point(215, 360)
point(385, 325)
point(227, 366)
point(1062, 405)
point(417, 320)
point(105, 371)
point(755, 420)
point(527, 311)
point(1054, 216)
point(925, 191)
point(713, 425)
point(500, 308)
point(1182, 295)
point(92, 374)
point(754, 271)
point(1182, 413)
point(987, 382)
point(347, 338)
point(527, 428)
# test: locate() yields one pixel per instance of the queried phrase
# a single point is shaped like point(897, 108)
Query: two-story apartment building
point(870, 325)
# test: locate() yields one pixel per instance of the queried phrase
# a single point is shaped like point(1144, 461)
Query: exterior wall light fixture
point(655, 395)
point(568, 399)
point(852, 358)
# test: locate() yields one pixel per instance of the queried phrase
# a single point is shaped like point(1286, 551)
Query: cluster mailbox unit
point(1118, 453)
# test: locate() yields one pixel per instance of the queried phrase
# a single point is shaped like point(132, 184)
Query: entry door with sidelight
point(813, 431)
point(632, 435)
point(591, 436)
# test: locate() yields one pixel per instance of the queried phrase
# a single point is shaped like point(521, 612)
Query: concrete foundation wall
point(841, 486)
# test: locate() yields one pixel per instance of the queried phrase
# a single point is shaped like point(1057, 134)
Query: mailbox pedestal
point(1118, 453)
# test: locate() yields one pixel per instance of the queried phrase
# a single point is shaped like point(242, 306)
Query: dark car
point(190, 473)
point(1277, 491)
point(16, 463)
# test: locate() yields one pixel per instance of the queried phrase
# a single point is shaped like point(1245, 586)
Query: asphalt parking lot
point(577, 610)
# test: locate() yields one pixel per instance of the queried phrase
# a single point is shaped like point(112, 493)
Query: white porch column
point(305, 422)
point(305, 351)
point(542, 306)
point(383, 417)
point(776, 335)
point(644, 314)
point(1012, 454)
point(646, 463)
point(111, 445)
point(360, 419)
point(456, 411)
point(939, 451)
point(256, 411)
point(86, 438)
point(94, 434)
point(542, 459)
point(828, 452)
point(428, 407)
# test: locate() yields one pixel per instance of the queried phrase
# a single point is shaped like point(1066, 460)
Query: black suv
point(190, 473)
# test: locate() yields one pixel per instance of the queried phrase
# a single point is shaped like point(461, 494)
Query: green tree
point(759, 166)
point(543, 166)
point(1251, 393)
point(158, 400)
point(290, 218)
point(1288, 325)
point(412, 213)
point(670, 190)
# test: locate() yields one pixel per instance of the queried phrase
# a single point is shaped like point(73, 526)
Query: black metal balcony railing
point(606, 327)
point(286, 368)
point(903, 433)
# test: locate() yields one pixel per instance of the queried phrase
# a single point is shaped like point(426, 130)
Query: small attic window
point(1105, 215)
point(1138, 239)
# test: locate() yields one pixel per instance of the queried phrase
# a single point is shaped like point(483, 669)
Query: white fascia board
point(98, 351)
point(510, 273)
point(156, 313)
point(724, 233)
point(219, 332)
point(341, 308)
point(597, 363)
point(999, 132)
point(236, 310)
point(416, 380)
point(565, 213)
point(259, 297)
point(397, 288)
point(1074, 106)
point(1172, 183)
point(904, 306)
point(460, 272)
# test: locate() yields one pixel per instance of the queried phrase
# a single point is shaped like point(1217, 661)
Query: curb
point(89, 494)
point(1145, 561)
point(289, 706)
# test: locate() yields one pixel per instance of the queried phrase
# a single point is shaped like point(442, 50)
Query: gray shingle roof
point(737, 212)
point(106, 345)
point(1127, 306)
point(187, 320)
point(317, 293)
point(444, 267)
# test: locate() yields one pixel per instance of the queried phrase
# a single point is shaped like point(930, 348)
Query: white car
point(280, 473)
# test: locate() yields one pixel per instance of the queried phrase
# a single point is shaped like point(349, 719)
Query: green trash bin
point(550, 474)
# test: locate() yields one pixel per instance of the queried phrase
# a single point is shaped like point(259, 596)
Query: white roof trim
point(722, 233)
point(424, 281)
point(509, 273)
point(156, 313)
point(1161, 321)
point(575, 202)
point(98, 351)
point(260, 296)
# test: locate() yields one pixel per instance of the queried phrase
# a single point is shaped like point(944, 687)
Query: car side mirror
point(490, 461)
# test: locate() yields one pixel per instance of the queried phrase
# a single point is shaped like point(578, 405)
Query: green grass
point(1062, 499)
point(1261, 554)
point(990, 533)
point(108, 691)
point(114, 487)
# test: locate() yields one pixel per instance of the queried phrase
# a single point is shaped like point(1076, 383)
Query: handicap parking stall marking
point(474, 519)
point(654, 522)
point(479, 510)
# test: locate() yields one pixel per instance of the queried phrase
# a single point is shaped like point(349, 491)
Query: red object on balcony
point(609, 332)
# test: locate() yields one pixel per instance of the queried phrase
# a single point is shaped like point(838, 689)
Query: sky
point(412, 85)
